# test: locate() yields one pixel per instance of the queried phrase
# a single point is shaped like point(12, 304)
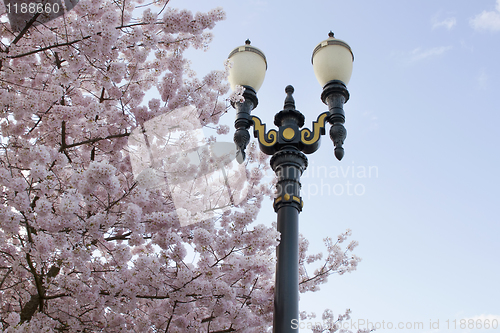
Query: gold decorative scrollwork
point(309, 138)
point(266, 139)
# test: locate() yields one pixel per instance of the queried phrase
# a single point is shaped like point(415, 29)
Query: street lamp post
point(332, 62)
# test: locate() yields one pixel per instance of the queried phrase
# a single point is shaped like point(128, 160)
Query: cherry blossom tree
point(84, 245)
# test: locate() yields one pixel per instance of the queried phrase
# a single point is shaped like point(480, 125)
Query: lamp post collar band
point(331, 41)
point(248, 48)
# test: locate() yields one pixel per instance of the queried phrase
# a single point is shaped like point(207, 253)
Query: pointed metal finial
point(338, 133)
point(330, 34)
point(339, 153)
point(289, 101)
point(247, 42)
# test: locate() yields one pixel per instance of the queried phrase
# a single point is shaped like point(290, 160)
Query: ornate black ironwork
point(311, 140)
point(267, 140)
point(288, 146)
point(289, 121)
point(289, 114)
point(334, 95)
point(242, 123)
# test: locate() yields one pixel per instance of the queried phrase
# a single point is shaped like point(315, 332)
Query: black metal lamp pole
point(288, 146)
point(288, 163)
point(332, 62)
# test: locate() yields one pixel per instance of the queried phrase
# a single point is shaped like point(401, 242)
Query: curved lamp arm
point(289, 121)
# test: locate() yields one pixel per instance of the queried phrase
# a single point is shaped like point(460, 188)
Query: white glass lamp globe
point(249, 67)
point(332, 60)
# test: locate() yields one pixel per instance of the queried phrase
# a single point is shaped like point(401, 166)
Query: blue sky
point(423, 113)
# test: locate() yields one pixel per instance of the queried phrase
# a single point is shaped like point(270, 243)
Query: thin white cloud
point(487, 20)
point(419, 54)
point(372, 118)
point(465, 45)
point(482, 80)
point(482, 322)
point(484, 317)
point(448, 23)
